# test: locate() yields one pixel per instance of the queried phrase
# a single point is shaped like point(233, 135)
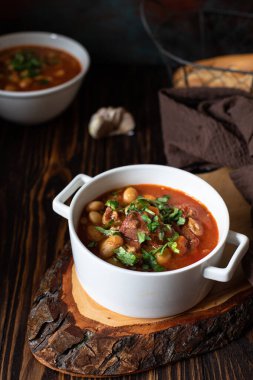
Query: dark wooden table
point(36, 163)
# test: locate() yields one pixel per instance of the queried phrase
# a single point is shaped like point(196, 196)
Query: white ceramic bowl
point(140, 294)
point(33, 107)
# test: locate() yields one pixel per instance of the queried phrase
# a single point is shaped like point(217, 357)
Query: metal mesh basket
point(200, 44)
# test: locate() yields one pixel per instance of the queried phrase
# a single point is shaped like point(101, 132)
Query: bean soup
point(148, 228)
point(30, 68)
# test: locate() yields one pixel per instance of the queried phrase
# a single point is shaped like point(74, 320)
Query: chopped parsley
point(172, 214)
point(140, 205)
point(127, 258)
point(163, 199)
point(161, 235)
point(146, 218)
point(167, 213)
point(142, 237)
point(173, 247)
point(151, 224)
point(27, 61)
point(149, 211)
point(171, 243)
point(150, 261)
point(107, 232)
point(181, 221)
point(113, 204)
point(176, 215)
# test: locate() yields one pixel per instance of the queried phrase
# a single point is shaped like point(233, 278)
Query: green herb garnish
point(139, 205)
point(149, 211)
point(27, 61)
point(173, 247)
point(107, 232)
point(151, 224)
point(172, 214)
point(168, 214)
point(142, 237)
point(113, 204)
point(161, 235)
point(181, 221)
point(163, 199)
point(172, 244)
point(146, 218)
point(127, 258)
point(150, 260)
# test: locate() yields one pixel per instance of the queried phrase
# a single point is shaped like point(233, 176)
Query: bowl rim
point(220, 244)
point(50, 90)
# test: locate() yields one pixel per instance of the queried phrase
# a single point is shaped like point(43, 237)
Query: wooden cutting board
point(71, 333)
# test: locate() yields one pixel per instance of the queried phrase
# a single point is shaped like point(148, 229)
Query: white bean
point(95, 206)
point(164, 258)
point(107, 246)
point(93, 234)
point(24, 83)
point(129, 195)
point(95, 217)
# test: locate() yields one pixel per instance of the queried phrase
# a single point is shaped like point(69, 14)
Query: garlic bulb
point(110, 121)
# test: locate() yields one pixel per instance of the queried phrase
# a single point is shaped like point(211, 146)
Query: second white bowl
point(33, 107)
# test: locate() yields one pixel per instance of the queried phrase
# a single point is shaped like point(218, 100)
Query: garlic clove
point(126, 126)
point(111, 121)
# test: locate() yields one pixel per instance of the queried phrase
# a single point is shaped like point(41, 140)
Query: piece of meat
point(132, 224)
point(189, 235)
point(109, 215)
point(187, 210)
point(195, 226)
point(182, 244)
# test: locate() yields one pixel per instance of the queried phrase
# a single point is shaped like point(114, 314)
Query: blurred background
point(112, 30)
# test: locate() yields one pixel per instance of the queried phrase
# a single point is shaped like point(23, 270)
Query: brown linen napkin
point(210, 127)
point(207, 128)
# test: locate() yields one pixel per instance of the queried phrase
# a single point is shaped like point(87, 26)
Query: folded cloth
point(210, 127)
point(206, 128)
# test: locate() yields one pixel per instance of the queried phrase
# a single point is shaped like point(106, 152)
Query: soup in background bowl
point(31, 68)
point(34, 86)
point(148, 294)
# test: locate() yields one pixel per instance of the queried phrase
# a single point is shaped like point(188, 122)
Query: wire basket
point(202, 45)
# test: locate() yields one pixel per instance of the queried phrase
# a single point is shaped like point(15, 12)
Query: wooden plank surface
point(36, 163)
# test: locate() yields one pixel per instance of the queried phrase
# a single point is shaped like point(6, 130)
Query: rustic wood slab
point(71, 333)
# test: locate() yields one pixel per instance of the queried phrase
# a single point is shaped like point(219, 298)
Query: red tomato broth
point(207, 241)
point(31, 68)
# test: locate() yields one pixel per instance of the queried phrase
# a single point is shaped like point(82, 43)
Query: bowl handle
point(59, 201)
point(225, 274)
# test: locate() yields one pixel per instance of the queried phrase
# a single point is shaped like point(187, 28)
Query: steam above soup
point(148, 228)
point(29, 68)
